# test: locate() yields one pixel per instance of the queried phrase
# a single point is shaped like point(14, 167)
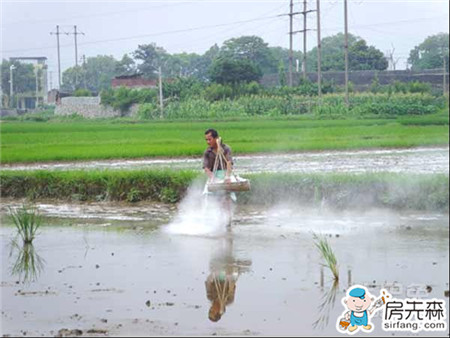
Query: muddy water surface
point(414, 160)
point(118, 269)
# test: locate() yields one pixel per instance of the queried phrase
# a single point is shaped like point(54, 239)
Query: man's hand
point(210, 174)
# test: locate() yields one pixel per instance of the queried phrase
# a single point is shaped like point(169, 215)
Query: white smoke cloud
point(199, 214)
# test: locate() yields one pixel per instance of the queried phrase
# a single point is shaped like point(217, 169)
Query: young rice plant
point(27, 221)
point(327, 254)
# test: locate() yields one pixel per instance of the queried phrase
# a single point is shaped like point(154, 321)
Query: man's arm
point(206, 166)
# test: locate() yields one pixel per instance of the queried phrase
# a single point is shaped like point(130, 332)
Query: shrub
point(134, 195)
point(183, 88)
point(82, 92)
point(419, 87)
point(146, 95)
point(123, 99)
point(217, 91)
point(147, 111)
point(107, 97)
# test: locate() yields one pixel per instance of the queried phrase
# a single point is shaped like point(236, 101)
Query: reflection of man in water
point(220, 290)
point(221, 282)
point(223, 169)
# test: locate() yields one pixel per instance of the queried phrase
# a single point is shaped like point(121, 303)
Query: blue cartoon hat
point(357, 292)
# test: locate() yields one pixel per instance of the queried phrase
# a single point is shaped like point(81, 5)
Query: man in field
point(223, 168)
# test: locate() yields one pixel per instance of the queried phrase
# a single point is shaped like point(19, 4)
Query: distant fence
point(363, 79)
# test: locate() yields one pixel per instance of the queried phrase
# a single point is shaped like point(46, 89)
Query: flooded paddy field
point(147, 269)
point(414, 160)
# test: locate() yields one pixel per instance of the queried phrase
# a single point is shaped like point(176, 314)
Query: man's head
point(215, 311)
point(211, 136)
point(359, 300)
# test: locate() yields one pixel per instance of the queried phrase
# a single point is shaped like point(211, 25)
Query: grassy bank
point(87, 140)
point(399, 191)
point(131, 186)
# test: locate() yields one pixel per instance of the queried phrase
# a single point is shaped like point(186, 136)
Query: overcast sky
point(118, 27)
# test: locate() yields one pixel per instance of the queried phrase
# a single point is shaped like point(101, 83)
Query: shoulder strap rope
point(220, 157)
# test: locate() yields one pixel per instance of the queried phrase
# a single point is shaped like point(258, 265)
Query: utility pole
point(304, 30)
point(59, 57)
point(444, 82)
point(390, 56)
point(291, 33)
point(161, 93)
point(304, 39)
point(37, 88)
point(346, 51)
point(51, 78)
point(305, 12)
point(75, 33)
point(291, 15)
point(11, 86)
point(84, 71)
point(319, 54)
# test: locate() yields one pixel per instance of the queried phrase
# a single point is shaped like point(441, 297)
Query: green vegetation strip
point(88, 140)
point(399, 191)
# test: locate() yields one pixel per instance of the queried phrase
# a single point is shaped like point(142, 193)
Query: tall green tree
point(151, 57)
point(430, 53)
point(281, 54)
point(205, 62)
point(281, 74)
point(72, 79)
point(234, 71)
point(360, 55)
point(96, 74)
point(251, 48)
point(126, 66)
point(191, 64)
point(24, 78)
point(364, 57)
point(182, 65)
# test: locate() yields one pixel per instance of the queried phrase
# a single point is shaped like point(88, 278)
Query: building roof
point(133, 76)
point(38, 58)
point(133, 82)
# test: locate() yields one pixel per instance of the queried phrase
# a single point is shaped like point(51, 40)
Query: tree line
point(238, 60)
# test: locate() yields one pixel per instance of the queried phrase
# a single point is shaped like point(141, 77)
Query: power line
point(88, 16)
point(148, 35)
point(225, 34)
point(228, 30)
point(398, 22)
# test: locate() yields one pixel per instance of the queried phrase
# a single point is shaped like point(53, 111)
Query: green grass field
point(339, 190)
point(85, 140)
